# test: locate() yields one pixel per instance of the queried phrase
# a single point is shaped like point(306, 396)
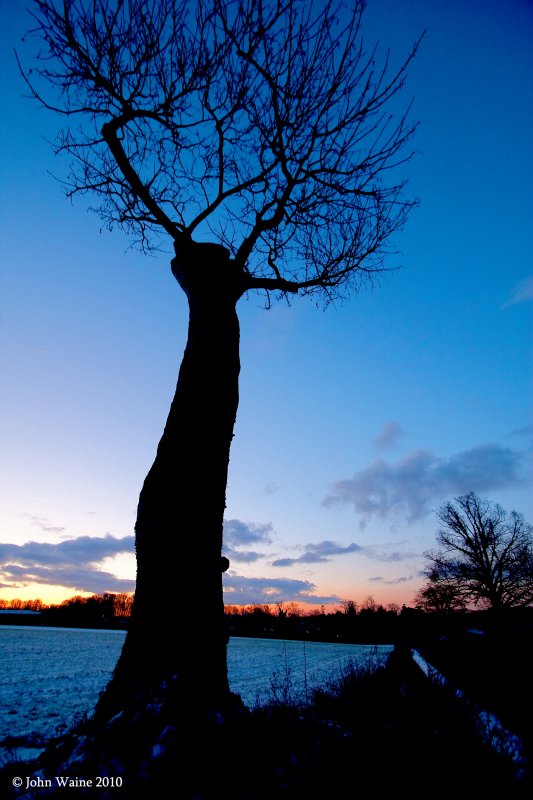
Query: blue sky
point(355, 423)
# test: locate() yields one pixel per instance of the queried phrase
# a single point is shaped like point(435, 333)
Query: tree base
point(158, 741)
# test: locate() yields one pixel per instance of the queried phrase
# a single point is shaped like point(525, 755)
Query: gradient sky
point(355, 423)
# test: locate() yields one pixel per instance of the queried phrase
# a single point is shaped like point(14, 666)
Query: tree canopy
point(263, 126)
point(485, 556)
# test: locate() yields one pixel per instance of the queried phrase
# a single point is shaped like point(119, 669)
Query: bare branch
point(109, 132)
point(486, 556)
point(268, 126)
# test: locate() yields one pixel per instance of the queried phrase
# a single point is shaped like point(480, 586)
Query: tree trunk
point(177, 628)
point(159, 721)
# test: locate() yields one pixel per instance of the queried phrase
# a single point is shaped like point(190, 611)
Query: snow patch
point(489, 727)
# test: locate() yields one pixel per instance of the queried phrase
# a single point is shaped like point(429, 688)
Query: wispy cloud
point(389, 436)
point(374, 553)
point(270, 488)
point(79, 579)
point(316, 553)
point(239, 590)
point(72, 563)
point(525, 434)
point(521, 293)
point(238, 533)
point(391, 581)
point(246, 556)
point(43, 524)
point(82, 550)
point(412, 485)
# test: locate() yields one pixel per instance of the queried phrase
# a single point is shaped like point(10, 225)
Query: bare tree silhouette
point(485, 555)
point(259, 137)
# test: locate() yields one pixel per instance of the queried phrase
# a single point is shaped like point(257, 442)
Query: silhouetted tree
point(122, 604)
point(75, 600)
point(369, 605)
point(258, 137)
point(486, 555)
point(439, 595)
point(349, 607)
point(292, 609)
point(16, 604)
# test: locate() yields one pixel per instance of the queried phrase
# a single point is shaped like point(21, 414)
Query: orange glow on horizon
point(382, 595)
point(49, 594)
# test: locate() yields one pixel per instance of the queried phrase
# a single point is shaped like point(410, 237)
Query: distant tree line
point(367, 622)
point(98, 610)
point(22, 605)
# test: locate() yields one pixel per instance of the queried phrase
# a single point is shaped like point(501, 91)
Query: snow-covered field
point(257, 666)
point(51, 677)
